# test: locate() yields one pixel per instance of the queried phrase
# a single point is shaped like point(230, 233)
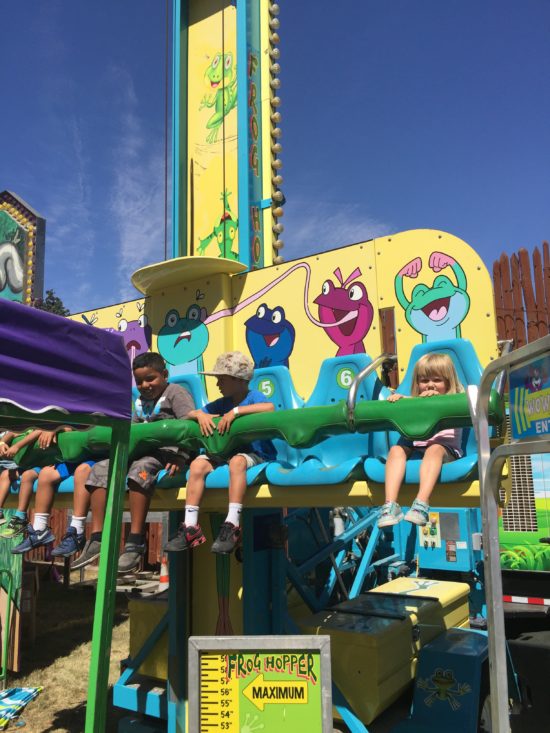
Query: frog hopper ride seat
point(277, 381)
point(195, 386)
point(469, 372)
point(336, 458)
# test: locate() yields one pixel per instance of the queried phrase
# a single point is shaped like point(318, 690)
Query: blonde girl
point(434, 374)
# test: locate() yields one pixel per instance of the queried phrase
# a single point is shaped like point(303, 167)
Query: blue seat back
point(335, 378)
point(462, 353)
point(468, 369)
point(276, 384)
point(194, 384)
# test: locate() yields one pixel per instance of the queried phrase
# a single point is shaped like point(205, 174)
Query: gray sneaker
point(130, 557)
point(91, 551)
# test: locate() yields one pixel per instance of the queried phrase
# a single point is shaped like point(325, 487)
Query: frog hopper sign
point(530, 399)
point(260, 684)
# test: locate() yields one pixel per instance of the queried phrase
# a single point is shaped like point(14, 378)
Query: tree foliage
point(51, 303)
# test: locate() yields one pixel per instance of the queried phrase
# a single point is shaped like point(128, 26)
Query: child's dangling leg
point(430, 468)
point(18, 523)
point(39, 534)
point(74, 539)
point(189, 533)
point(229, 535)
point(396, 465)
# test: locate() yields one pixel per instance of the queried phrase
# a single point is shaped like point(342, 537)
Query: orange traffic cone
point(163, 580)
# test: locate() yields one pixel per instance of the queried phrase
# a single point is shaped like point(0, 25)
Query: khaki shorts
point(252, 459)
point(143, 471)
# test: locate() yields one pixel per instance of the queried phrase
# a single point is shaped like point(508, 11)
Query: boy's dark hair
point(149, 359)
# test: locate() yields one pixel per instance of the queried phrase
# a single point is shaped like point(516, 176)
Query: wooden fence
point(522, 295)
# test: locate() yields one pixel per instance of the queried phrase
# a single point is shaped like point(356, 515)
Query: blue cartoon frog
point(270, 337)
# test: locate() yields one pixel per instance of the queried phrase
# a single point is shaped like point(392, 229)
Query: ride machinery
point(317, 328)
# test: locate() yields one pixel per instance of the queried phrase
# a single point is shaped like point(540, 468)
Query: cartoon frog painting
point(224, 233)
point(221, 78)
point(183, 339)
point(270, 337)
point(435, 311)
point(345, 312)
point(443, 687)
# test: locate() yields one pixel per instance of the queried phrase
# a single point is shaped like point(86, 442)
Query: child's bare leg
point(40, 534)
point(190, 534)
point(396, 465)
point(134, 548)
point(81, 497)
point(48, 479)
point(5, 483)
point(139, 506)
point(198, 472)
point(98, 501)
point(230, 532)
point(25, 490)
point(237, 479)
point(430, 468)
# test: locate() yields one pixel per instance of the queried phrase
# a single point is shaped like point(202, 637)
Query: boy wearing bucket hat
point(233, 371)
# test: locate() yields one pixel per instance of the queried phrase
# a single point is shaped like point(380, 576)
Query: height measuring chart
point(258, 684)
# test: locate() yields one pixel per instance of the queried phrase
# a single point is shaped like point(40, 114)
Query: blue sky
point(396, 115)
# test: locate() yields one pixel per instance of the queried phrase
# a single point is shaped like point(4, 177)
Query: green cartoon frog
point(436, 312)
point(224, 232)
point(221, 76)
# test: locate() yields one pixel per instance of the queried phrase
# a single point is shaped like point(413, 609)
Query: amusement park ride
point(400, 605)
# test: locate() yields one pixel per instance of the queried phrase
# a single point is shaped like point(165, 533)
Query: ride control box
point(446, 541)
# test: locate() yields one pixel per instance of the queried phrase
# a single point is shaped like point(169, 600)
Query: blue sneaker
point(71, 542)
point(34, 539)
point(418, 513)
point(390, 514)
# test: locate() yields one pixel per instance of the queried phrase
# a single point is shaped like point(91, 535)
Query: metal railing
point(363, 374)
point(490, 471)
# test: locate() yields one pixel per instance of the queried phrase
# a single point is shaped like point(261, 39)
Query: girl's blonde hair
point(436, 365)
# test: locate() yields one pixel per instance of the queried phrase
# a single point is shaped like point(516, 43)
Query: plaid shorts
point(143, 471)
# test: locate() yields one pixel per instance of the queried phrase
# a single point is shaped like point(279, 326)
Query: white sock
point(191, 516)
point(40, 521)
point(234, 514)
point(78, 523)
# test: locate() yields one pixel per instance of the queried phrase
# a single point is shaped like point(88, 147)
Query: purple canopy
point(50, 362)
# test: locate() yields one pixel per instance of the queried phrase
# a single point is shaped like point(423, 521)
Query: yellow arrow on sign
point(262, 692)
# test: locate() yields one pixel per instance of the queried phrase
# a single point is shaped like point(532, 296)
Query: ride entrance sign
point(260, 684)
point(530, 399)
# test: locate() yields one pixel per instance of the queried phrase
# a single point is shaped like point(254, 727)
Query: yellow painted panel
point(342, 282)
point(211, 86)
point(219, 312)
point(144, 617)
point(449, 284)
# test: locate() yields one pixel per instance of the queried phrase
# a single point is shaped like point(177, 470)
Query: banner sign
point(273, 683)
point(530, 399)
